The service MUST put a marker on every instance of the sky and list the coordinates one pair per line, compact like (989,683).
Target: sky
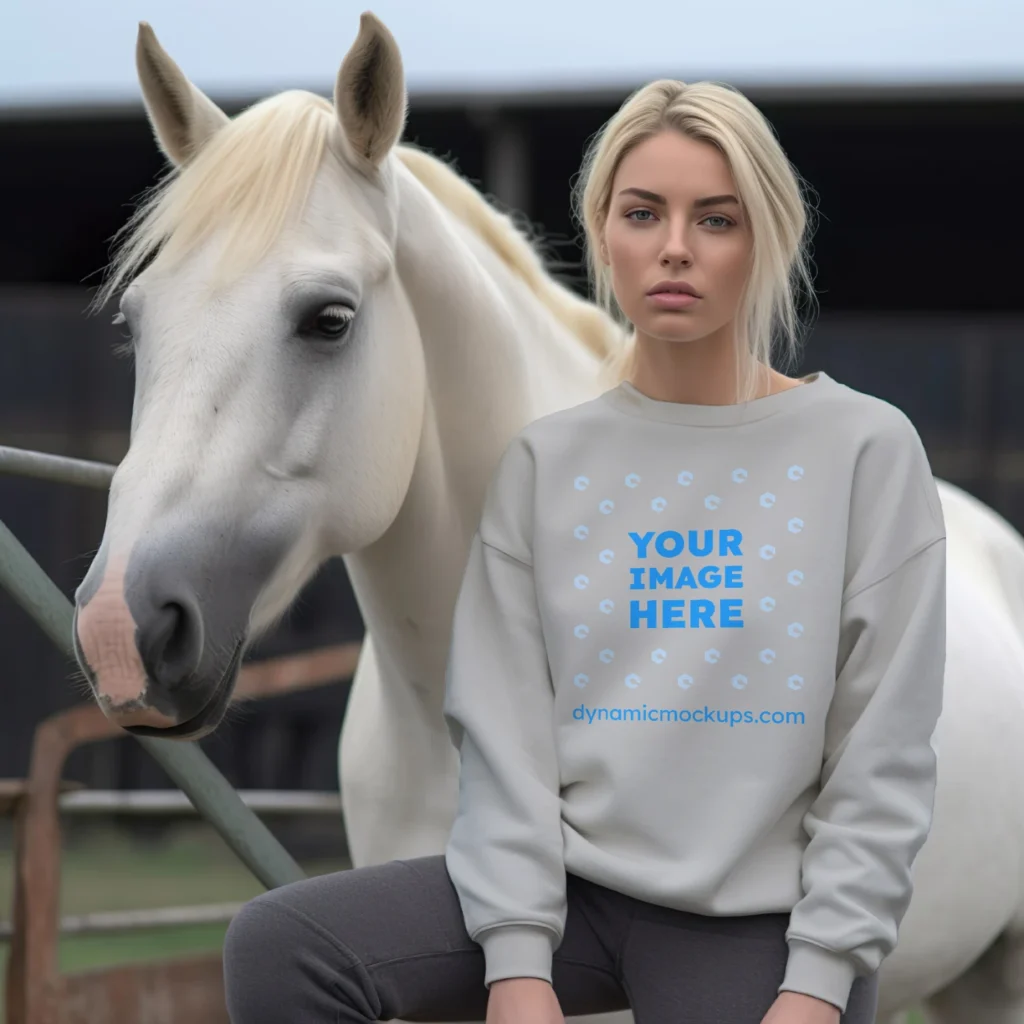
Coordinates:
(70,52)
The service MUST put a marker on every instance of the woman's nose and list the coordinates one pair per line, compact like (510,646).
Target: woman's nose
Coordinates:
(676,248)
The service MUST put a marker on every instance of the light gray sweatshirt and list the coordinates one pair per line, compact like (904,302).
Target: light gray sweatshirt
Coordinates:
(697,657)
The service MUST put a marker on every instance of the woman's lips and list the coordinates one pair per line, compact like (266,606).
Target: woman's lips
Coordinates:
(672,300)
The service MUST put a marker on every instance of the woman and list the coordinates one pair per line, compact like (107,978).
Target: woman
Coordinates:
(696,661)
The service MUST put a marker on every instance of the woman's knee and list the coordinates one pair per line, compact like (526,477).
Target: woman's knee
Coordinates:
(315,946)
(276,957)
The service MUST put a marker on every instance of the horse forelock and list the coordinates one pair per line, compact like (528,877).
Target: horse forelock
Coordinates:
(248,182)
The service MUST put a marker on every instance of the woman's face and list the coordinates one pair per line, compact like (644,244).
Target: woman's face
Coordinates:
(675,219)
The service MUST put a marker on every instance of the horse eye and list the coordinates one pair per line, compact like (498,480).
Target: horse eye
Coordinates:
(332,322)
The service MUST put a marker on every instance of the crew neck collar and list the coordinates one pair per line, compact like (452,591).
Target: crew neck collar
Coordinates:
(628,399)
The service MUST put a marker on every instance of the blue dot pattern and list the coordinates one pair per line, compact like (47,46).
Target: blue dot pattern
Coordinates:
(772,532)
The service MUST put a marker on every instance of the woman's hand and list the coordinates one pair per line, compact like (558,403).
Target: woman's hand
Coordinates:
(523,1001)
(796,1008)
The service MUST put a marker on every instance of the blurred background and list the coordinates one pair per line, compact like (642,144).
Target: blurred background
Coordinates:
(905,117)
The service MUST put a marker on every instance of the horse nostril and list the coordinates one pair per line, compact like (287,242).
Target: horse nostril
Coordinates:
(171,643)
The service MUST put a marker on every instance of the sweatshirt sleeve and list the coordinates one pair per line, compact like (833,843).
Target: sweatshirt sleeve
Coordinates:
(874,808)
(504,853)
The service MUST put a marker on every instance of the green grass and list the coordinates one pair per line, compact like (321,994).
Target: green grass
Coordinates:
(85,951)
(106,871)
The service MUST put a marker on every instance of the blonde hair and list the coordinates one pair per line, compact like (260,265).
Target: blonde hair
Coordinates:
(254,175)
(769,189)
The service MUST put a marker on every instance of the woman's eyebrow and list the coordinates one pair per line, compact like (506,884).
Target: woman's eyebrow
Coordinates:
(653,197)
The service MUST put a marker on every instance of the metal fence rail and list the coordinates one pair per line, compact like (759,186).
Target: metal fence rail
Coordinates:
(107,921)
(56,467)
(167,802)
(155,803)
(211,794)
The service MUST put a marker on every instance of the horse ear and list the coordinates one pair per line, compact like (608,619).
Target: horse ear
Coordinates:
(182,117)
(369,94)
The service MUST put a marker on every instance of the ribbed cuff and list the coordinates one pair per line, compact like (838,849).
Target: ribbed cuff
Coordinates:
(517,951)
(818,972)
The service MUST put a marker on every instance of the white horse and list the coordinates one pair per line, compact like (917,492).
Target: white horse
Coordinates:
(380,334)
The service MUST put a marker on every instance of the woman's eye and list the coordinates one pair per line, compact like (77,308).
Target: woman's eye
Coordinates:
(332,322)
(725,222)
(631,213)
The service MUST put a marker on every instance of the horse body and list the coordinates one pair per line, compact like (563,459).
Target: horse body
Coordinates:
(961,945)
(260,448)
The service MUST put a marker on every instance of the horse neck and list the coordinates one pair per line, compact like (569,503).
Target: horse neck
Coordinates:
(495,359)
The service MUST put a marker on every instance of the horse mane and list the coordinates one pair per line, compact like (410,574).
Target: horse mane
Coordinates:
(258,169)
(519,254)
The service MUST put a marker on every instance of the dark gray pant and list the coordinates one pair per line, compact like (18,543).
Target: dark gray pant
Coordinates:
(389,941)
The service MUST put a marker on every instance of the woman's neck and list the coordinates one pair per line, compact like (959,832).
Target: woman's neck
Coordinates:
(702,372)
